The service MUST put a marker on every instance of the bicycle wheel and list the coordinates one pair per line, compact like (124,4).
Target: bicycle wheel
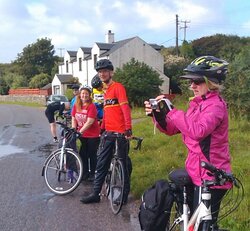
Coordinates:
(107,184)
(116,186)
(205,225)
(64,180)
(175,222)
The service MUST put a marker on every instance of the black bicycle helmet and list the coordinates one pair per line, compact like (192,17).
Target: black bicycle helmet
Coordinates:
(96,81)
(213,68)
(75,87)
(104,64)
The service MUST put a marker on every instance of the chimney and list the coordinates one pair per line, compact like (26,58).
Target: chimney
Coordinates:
(110,37)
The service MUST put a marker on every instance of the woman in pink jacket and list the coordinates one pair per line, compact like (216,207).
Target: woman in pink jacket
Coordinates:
(204,126)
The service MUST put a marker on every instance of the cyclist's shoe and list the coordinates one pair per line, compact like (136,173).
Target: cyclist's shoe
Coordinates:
(55,140)
(92,198)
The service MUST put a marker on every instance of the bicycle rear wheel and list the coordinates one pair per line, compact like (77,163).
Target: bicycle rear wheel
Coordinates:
(116,186)
(65,180)
(176,222)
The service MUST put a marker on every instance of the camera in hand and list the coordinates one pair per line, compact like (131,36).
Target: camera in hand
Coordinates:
(165,106)
(154,104)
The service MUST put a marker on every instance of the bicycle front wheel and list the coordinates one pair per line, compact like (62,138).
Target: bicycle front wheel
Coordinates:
(116,186)
(63,179)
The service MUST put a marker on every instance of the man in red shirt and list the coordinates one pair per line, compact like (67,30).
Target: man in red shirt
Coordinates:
(116,122)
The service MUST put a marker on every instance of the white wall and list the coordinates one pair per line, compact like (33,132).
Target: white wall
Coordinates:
(141,51)
(56,86)
(135,48)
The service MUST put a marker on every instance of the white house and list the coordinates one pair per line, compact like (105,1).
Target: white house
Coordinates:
(81,63)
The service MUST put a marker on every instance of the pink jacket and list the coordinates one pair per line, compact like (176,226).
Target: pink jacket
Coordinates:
(204,129)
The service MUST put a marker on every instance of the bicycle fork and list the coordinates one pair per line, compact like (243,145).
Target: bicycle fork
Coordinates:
(202,214)
(184,215)
(62,157)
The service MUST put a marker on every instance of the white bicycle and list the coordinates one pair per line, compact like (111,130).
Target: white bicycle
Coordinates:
(201,219)
(63,168)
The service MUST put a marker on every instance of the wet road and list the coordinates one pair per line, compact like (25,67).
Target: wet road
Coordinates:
(26,203)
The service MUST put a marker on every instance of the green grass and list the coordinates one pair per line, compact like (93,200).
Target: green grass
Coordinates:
(160,154)
(22,103)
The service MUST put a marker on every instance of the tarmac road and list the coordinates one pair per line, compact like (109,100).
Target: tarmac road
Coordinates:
(26,204)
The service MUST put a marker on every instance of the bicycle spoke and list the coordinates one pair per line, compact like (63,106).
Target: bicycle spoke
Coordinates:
(117,186)
(65,180)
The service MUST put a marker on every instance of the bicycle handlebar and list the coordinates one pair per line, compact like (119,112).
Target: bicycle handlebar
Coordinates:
(221,177)
(71,130)
(139,141)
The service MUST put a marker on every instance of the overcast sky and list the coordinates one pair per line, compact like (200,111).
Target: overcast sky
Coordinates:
(75,23)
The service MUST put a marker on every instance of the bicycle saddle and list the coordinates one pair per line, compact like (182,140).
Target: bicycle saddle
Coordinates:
(180,177)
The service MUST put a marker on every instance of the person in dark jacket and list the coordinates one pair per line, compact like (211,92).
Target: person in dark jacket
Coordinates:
(50,114)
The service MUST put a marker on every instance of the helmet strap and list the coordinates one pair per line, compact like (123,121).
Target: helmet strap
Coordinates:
(206,81)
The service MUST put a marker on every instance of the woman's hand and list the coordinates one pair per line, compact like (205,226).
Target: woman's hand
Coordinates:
(148,108)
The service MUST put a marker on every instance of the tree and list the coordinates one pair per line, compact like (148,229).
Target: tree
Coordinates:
(220,45)
(173,68)
(140,81)
(39,81)
(187,50)
(237,85)
(3,86)
(36,58)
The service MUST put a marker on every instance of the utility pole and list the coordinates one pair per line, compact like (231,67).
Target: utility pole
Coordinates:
(177,24)
(61,49)
(185,27)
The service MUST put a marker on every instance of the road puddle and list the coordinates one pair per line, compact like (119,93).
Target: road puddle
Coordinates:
(22,125)
(9,149)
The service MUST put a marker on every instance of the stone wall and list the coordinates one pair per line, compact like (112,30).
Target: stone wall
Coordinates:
(40,99)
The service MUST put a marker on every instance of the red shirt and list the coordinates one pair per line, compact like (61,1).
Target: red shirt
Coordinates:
(81,118)
(117,114)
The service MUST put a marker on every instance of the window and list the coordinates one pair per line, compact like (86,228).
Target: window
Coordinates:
(67,66)
(80,64)
(95,60)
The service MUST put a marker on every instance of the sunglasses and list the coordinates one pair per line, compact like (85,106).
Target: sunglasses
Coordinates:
(196,81)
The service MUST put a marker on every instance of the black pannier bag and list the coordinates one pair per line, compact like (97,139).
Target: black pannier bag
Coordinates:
(155,208)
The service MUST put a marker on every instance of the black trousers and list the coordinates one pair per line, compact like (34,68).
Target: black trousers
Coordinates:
(88,154)
(216,198)
(104,156)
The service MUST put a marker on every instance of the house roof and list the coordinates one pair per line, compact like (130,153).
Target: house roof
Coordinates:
(119,44)
(88,57)
(48,86)
(106,49)
(116,46)
(64,78)
(156,46)
(86,50)
(72,53)
(105,46)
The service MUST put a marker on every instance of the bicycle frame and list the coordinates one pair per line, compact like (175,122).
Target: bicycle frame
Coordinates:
(116,161)
(202,215)
(63,168)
